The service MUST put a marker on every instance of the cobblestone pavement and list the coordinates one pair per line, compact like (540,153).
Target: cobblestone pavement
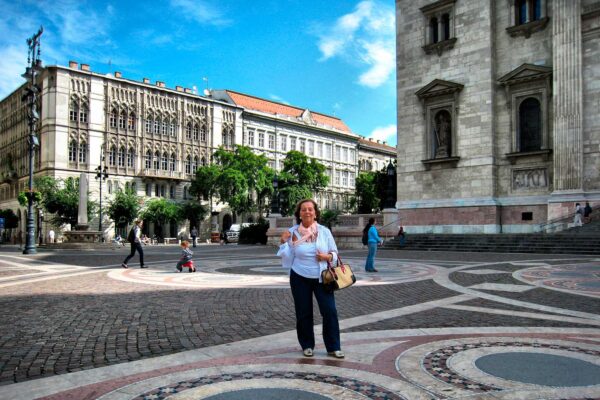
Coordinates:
(76,325)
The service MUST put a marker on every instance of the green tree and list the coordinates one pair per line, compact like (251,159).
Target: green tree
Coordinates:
(366,192)
(61,198)
(124,208)
(245,179)
(300,178)
(161,211)
(193,212)
(11,220)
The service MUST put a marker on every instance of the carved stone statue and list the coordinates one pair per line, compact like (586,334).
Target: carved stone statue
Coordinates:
(442,135)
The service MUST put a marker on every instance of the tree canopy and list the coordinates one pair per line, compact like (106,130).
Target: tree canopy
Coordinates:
(367,192)
(300,177)
(61,198)
(123,208)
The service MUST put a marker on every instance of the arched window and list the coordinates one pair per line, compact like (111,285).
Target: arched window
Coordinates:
(433,30)
(130,158)
(530,125)
(164,161)
(172,127)
(203,161)
(165,126)
(73,110)
(112,155)
(188,165)
(188,131)
(195,164)
(172,191)
(121,156)
(156,190)
(82,152)
(196,130)
(131,122)
(185,192)
(162,191)
(110,187)
(113,118)
(83,113)
(157,123)
(73,151)
(148,159)
(445,27)
(133,187)
(203,133)
(149,124)
(172,162)
(156,160)
(122,119)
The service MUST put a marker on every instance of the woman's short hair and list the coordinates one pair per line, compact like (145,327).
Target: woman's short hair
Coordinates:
(299,205)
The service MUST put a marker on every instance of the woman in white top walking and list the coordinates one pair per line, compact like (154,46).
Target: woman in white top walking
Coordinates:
(305,250)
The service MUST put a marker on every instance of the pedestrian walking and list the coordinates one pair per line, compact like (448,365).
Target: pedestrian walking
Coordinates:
(134,238)
(51,236)
(578,215)
(305,250)
(587,213)
(373,240)
(194,234)
(186,258)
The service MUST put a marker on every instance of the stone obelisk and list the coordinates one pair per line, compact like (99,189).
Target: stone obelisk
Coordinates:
(82,213)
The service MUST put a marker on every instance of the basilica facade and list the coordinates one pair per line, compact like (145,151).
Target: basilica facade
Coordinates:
(498,123)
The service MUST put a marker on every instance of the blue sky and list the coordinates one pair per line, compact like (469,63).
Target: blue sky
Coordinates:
(334,57)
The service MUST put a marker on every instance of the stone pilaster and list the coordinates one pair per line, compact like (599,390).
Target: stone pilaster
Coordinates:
(567,99)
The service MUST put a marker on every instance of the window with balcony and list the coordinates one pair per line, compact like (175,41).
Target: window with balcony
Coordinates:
(439,28)
(529,16)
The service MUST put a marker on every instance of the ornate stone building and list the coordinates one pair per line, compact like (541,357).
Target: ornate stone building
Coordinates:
(374,155)
(273,129)
(153,138)
(498,124)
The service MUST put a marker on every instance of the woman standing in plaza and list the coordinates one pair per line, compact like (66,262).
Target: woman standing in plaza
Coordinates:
(305,249)
(373,241)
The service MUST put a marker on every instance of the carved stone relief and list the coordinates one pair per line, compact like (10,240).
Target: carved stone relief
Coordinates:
(524,179)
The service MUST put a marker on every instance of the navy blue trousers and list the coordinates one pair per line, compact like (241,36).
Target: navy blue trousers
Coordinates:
(302,291)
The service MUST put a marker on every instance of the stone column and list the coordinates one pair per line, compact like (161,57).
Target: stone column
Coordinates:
(567,97)
(82,218)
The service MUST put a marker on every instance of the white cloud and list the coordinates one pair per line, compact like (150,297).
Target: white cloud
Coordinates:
(278,99)
(385,133)
(200,11)
(367,34)
(13,61)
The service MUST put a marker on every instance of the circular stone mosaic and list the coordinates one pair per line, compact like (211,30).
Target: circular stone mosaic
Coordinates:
(540,369)
(582,278)
(267,394)
(353,387)
(266,273)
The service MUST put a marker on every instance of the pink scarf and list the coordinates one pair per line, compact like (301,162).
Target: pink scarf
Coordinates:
(309,235)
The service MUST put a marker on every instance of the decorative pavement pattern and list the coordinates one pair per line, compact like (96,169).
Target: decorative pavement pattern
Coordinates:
(76,326)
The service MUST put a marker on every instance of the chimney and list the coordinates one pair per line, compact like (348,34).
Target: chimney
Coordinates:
(73,64)
(179,88)
(187,90)
(118,74)
(160,84)
(85,67)
(146,80)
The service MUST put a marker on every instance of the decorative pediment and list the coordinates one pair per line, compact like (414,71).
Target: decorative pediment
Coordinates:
(526,73)
(438,87)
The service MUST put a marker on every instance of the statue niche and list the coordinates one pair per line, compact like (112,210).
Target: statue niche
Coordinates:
(442,132)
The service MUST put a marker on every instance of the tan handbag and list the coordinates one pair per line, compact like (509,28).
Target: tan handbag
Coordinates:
(338,277)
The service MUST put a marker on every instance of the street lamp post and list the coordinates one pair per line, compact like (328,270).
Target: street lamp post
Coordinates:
(101,174)
(390,198)
(275,209)
(31,93)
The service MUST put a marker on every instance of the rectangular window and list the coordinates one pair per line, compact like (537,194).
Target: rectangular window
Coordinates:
(319,149)
(311,148)
(338,150)
(83,115)
(345,154)
(148,126)
(352,180)
(271,141)
(345,178)
(328,151)
(302,146)
(283,141)
(352,159)
(250,137)
(261,139)
(337,178)
(292,143)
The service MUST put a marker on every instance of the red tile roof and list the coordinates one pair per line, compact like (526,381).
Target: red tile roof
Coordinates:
(373,143)
(271,107)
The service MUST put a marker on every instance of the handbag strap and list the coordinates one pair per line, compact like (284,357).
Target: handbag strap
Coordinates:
(331,270)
